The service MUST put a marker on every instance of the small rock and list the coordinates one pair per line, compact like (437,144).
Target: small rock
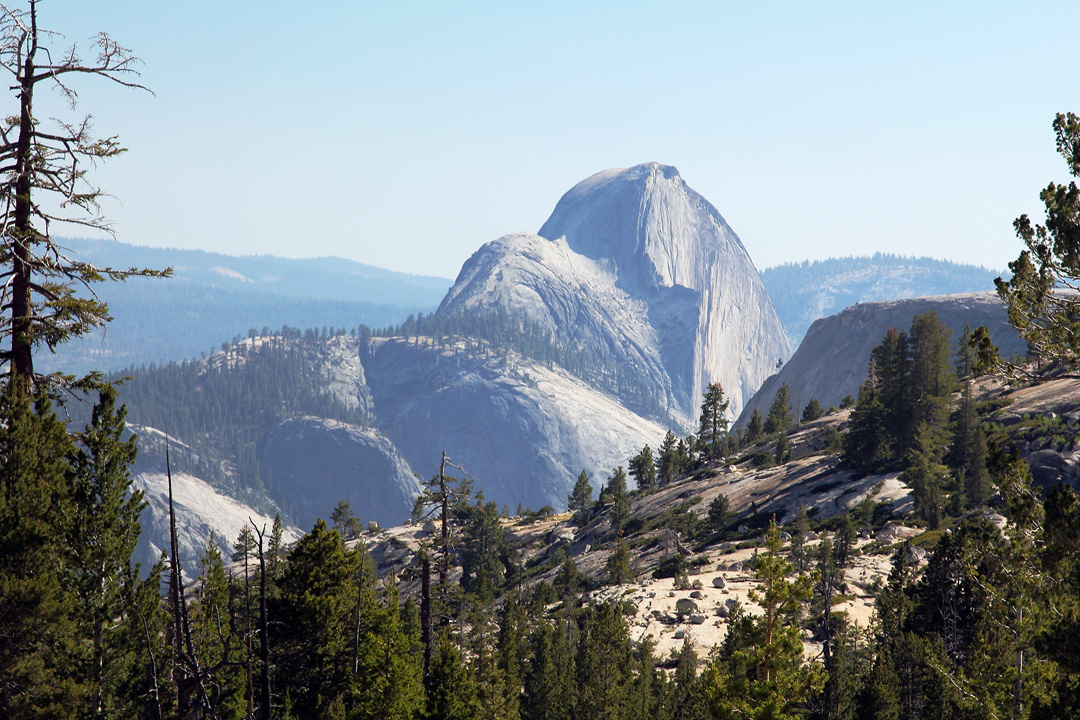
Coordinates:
(679,634)
(671,593)
(785,537)
(697,619)
(719,582)
(696,594)
(722,611)
(694,571)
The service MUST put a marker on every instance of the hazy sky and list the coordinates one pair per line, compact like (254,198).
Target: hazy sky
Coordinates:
(407,134)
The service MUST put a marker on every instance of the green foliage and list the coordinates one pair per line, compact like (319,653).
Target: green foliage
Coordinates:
(712,423)
(780,417)
(643,469)
(762,674)
(755,427)
(485,554)
(618,564)
(719,514)
(673,459)
(1044,315)
(619,498)
(581,496)
(908,391)
(812,411)
(345,521)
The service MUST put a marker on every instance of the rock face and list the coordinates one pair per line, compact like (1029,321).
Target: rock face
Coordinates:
(317,462)
(832,360)
(200,510)
(641,267)
(521,429)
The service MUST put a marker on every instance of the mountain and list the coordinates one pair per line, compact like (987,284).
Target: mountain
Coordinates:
(803,292)
(213,297)
(832,359)
(551,353)
(636,268)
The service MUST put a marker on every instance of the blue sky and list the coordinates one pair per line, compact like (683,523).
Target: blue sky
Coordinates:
(407,134)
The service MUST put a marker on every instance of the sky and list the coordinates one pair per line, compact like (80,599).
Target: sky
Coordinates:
(407,134)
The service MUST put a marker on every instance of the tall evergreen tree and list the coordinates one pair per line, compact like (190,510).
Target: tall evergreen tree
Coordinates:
(712,423)
(620,499)
(37,635)
(780,415)
(581,496)
(767,679)
(643,469)
(755,427)
(603,663)
(313,650)
(671,462)
(101,533)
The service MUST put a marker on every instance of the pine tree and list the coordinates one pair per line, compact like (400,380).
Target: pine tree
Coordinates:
(924,473)
(603,663)
(812,411)
(712,423)
(671,462)
(755,427)
(483,552)
(37,635)
(766,678)
(719,513)
(618,564)
(581,496)
(452,693)
(314,648)
(548,692)
(101,533)
(779,419)
(345,521)
(620,499)
(643,469)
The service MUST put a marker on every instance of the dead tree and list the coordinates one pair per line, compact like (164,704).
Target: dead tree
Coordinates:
(43,166)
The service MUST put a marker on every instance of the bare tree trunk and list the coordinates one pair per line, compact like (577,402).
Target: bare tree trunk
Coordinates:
(264,636)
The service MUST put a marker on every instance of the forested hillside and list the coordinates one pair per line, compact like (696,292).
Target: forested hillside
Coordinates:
(213,298)
(805,291)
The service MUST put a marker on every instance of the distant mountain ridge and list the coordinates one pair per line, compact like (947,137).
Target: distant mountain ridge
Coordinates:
(213,297)
(805,291)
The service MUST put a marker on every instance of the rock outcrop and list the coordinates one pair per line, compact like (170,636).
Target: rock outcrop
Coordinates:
(523,430)
(641,267)
(832,360)
(315,462)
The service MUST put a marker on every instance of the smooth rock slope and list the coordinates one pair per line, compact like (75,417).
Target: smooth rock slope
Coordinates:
(640,265)
(832,359)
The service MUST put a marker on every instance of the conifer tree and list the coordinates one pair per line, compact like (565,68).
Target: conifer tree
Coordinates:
(314,648)
(779,419)
(755,427)
(581,496)
(101,533)
(643,469)
(619,498)
(548,692)
(37,634)
(812,411)
(345,521)
(603,663)
(767,679)
(452,693)
(618,564)
(712,424)
(673,459)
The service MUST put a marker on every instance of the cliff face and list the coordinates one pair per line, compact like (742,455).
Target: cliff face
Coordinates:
(523,430)
(315,462)
(639,265)
(832,359)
